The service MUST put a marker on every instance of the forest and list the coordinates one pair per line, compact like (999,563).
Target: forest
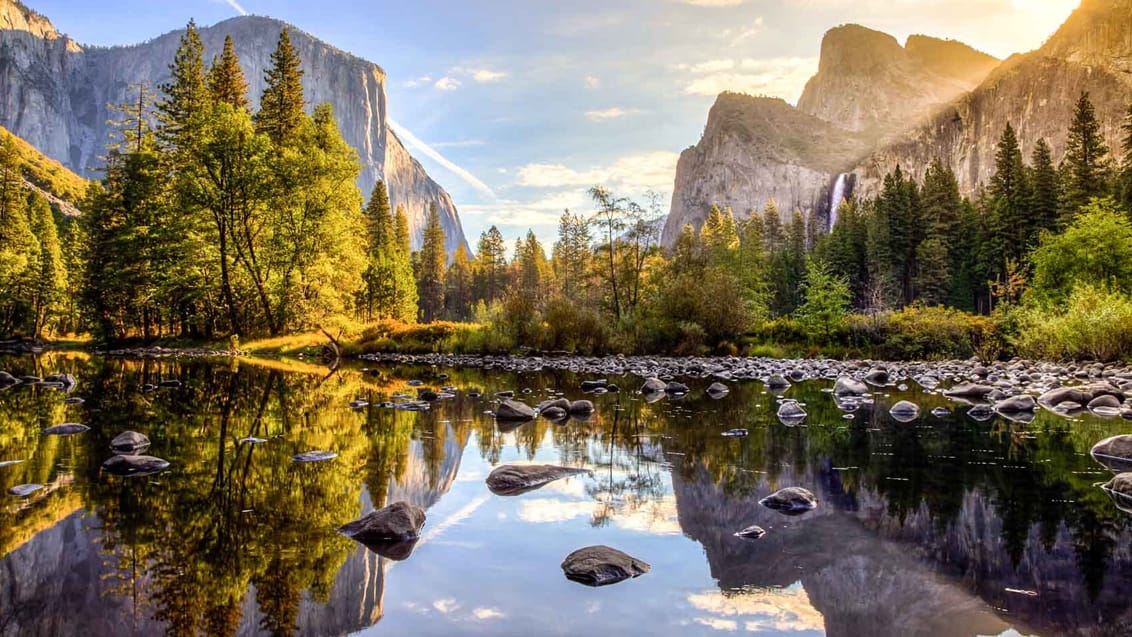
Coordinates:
(214,222)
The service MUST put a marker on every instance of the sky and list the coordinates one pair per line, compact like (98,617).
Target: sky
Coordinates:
(517,107)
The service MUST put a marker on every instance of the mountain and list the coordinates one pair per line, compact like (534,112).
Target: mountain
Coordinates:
(867,82)
(55,94)
(905,106)
(755,149)
(62,188)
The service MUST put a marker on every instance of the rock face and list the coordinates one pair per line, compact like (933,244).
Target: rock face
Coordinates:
(867,82)
(601,565)
(55,93)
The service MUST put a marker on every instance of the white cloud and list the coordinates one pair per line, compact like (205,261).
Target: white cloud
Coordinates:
(778,77)
(741,35)
(592,82)
(488,613)
(447,83)
(485,75)
(615,112)
(414,142)
(710,66)
(446,605)
(420,81)
(640,171)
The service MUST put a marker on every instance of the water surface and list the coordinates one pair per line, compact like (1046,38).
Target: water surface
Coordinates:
(942,526)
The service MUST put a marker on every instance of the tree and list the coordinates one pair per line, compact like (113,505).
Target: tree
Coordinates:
(533,276)
(571,255)
(226,81)
(51,277)
(404,280)
(433,265)
(1124,186)
(458,281)
(826,300)
(1044,192)
(281,107)
(186,93)
(1085,161)
(1096,249)
(491,261)
(19,250)
(610,217)
(1012,197)
(720,238)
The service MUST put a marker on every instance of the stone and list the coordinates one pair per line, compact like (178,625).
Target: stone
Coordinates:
(653,386)
(1107,400)
(24,490)
(735,433)
(790,501)
(969,390)
(877,377)
(904,411)
(1058,395)
(1114,452)
(313,456)
(602,565)
(388,529)
(676,389)
(846,386)
(516,479)
(791,409)
(753,532)
(130,465)
(65,429)
(717,390)
(591,385)
(129,441)
(777,382)
(581,408)
(554,413)
(560,403)
(1119,488)
(1014,404)
(514,411)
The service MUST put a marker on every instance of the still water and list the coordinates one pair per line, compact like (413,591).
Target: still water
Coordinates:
(942,526)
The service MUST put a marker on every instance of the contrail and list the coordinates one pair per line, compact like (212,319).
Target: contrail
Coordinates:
(462,173)
(236,5)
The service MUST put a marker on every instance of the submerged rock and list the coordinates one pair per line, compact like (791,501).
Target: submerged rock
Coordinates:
(124,465)
(24,490)
(129,441)
(591,385)
(554,413)
(790,413)
(790,501)
(314,456)
(753,532)
(1114,452)
(969,390)
(1014,404)
(1107,400)
(734,433)
(516,479)
(65,429)
(777,382)
(846,386)
(1120,490)
(676,389)
(653,386)
(717,390)
(514,411)
(601,565)
(581,408)
(904,411)
(1059,395)
(391,531)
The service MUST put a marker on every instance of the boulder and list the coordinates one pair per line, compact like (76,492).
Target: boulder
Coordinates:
(514,411)
(877,376)
(128,442)
(751,532)
(591,385)
(65,429)
(554,413)
(129,465)
(581,408)
(1058,395)
(1120,490)
(969,390)
(1114,452)
(777,382)
(790,409)
(313,456)
(676,389)
(391,531)
(1015,404)
(1107,400)
(516,479)
(904,411)
(790,501)
(846,386)
(601,565)
(717,390)
(653,386)
(560,403)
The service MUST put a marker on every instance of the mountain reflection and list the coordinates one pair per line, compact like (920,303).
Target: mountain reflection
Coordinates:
(942,526)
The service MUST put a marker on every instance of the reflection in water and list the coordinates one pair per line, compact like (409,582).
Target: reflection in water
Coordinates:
(944,525)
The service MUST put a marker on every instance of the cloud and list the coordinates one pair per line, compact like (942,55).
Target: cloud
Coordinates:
(420,81)
(592,82)
(615,112)
(653,170)
(447,83)
(445,606)
(713,3)
(485,75)
(414,142)
(710,66)
(488,613)
(741,35)
(236,6)
(778,77)
(461,143)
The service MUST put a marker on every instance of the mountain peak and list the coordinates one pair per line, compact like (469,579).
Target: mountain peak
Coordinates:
(15,16)
(1097,34)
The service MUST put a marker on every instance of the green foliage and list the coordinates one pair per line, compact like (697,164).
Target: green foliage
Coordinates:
(281,115)
(1086,161)
(827,299)
(919,333)
(433,267)
(1093,323)
(1095,250)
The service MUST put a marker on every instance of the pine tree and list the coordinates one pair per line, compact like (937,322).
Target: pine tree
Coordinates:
(405,292)
(186,94)
(51,277)
(433,265)
(281,112)
(1124,187)
(1085,160)
(458,282)
(533,274)
(226,82)
(1044,192)
(19,249)
(491,261)
(1011,197)
(571,255)
(720,238)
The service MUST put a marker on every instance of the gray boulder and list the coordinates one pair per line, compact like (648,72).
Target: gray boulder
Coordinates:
(1107,400)
(601,565)
(877,376)
(675,388)
(516,479)
(1016,404)
(653,386)
(777,382)
(581,408)
(846,386)
(905,411)
(129,442)
(717,390)
(397,523)
(1058,395)
(65,429)
(790,501)
(753,532)
(123,465)
(790,409)
(1120,490)
(513,410)
(1114,452)
(969,390)
(554,413)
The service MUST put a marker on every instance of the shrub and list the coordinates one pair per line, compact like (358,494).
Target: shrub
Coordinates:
(1094,323)
(925,333)
(410,338)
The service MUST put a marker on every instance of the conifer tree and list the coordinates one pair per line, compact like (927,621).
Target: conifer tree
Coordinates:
(51,276)
(433,266)
(571,255)
(404,279)
(1085,161)
(458,282)
(281,107)
(1011,196)
(491,261)
(1044,192)
(186,93)
(1124,187)
(226,82)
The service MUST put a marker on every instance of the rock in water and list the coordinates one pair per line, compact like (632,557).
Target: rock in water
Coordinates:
(790,501)
(601,565)
(554,414)
(877,376)
(1114,452)
(314,456)
(904,411)
(1120,490)
(1106,400)
(734,433)
(777,383)
(516,479)
(790,413)
(751,532)
(676,389)
(653,386)
(581,408)
(134,465)
(969,390)
(24,490)
(1015,404)
(391,532)
(65,429)
(514,411)
(846,386)
(717,390)
(129,441)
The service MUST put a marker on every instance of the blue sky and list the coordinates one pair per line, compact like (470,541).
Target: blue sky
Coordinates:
(527,103)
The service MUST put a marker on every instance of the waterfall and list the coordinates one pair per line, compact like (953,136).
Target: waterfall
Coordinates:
(836,197)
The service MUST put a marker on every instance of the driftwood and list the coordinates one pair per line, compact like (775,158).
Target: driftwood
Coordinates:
(331,352)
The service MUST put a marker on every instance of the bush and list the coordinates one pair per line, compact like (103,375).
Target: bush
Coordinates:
(926,333)
(1094,323)
(410,338)
(568,326)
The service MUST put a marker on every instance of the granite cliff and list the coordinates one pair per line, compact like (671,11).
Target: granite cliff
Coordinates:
(55,94)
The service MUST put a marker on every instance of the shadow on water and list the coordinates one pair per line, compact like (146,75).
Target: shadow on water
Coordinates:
(944,525)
